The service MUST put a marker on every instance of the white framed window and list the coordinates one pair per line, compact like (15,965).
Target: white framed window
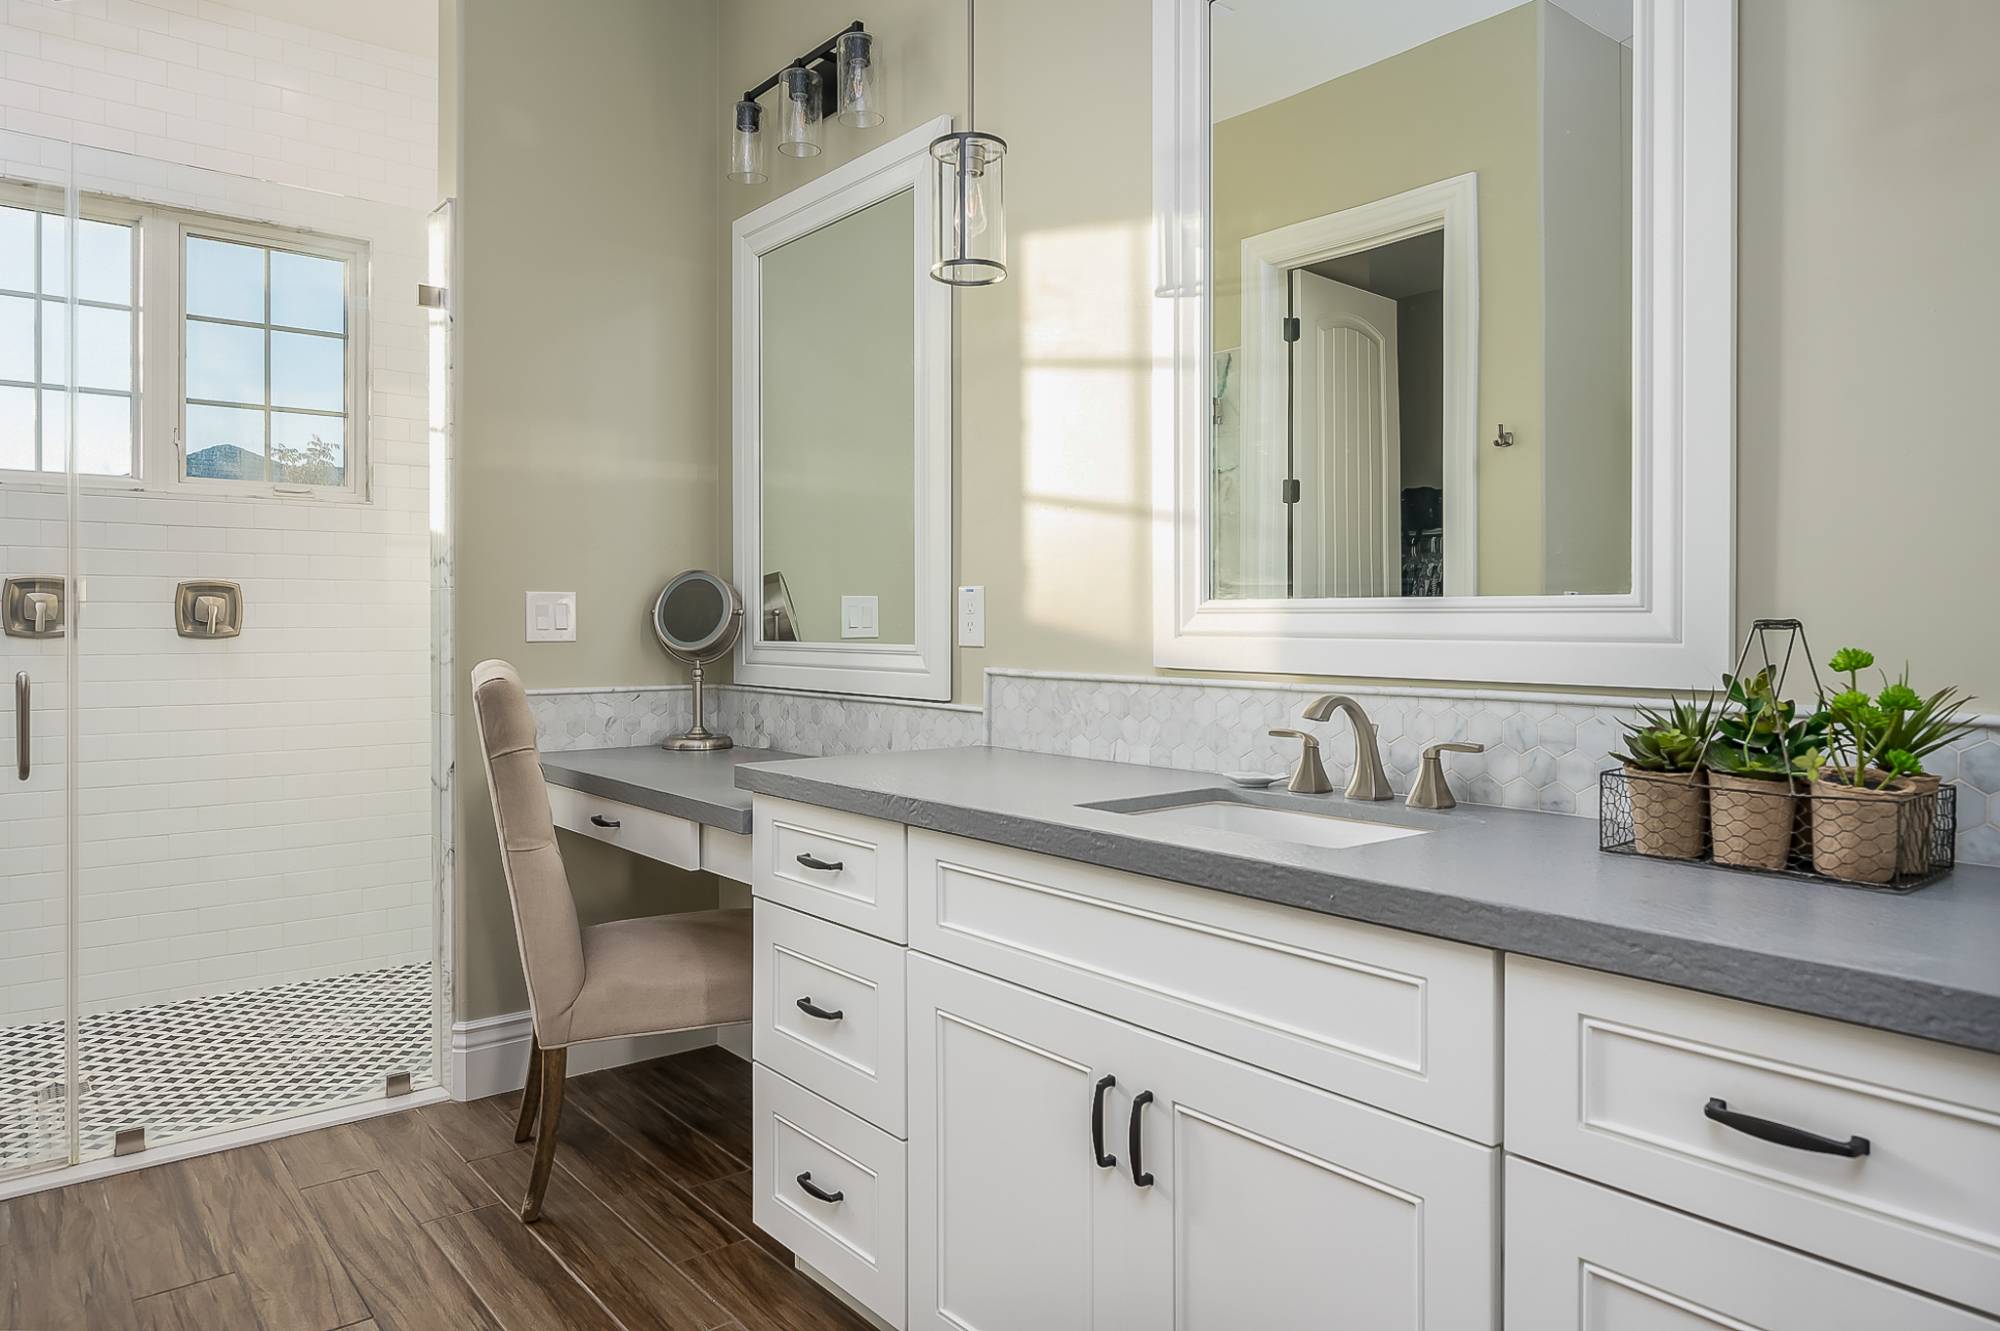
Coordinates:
(215,356)
(35,337)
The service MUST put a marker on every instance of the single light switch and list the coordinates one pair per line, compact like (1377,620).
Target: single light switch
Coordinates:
(972,616)
(551,617)
(858,617)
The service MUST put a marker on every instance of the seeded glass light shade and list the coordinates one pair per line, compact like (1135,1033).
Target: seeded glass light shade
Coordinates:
(859,96)
(746,146)
(971,237)
(799,121)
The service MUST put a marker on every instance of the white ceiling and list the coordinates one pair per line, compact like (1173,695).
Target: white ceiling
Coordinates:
(1263,51)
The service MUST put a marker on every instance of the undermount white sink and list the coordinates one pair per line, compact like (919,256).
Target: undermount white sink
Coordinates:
(1295,825)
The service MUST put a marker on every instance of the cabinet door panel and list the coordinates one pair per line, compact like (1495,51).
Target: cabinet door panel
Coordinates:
(1584,1258)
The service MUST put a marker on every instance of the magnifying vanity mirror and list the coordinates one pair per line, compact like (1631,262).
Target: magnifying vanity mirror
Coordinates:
(697,619)
(1452,331)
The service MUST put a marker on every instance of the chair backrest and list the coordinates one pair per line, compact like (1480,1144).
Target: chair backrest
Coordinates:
(544,909)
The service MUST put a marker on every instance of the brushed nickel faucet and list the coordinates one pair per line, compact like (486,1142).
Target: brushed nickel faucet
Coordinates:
(1309,777)
(1432,791)
(1370,782)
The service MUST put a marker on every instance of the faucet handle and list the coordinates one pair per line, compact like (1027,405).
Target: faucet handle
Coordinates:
(1432,791)
(1309,777)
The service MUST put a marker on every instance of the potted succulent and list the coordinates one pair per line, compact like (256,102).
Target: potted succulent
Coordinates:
(1669,790)
(1762,753)
(1874,805)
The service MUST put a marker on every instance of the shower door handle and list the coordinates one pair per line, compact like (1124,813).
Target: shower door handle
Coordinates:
(23,728)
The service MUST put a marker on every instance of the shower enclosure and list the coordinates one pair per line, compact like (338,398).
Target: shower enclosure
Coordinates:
(217,828)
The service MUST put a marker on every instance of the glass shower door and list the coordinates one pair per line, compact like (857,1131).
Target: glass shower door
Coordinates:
(37,1053)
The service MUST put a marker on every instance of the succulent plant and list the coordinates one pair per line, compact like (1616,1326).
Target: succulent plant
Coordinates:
(1893,730)
(1762,735)
(1669,740)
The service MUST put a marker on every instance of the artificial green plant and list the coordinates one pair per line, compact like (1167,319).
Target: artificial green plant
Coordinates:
(1762,735)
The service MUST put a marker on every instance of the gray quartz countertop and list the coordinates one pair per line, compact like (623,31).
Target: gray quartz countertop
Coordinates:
(700,787)
(1926,964)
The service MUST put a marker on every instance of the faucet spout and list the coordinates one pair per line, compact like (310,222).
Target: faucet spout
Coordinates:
(1370,781)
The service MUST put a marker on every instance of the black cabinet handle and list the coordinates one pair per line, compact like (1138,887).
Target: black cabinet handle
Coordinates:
(1140,1178)
(1104,1161)
(1784,1134)
(812,861)
(806,1182)
(812,1009)
(599,820)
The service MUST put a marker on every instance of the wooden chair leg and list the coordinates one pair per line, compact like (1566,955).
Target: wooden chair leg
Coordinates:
(554,1063)
(531,1093)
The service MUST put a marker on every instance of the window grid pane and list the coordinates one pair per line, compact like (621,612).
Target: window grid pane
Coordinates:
(312,417)
(33,275)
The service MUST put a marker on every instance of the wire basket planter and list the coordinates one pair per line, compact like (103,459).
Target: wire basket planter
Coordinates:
(1892,836)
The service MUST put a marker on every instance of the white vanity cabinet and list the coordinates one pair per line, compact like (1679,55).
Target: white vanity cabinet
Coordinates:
(1071,1170)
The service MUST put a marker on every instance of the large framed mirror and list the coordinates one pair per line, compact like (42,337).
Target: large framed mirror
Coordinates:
(842,450)
(1448,338)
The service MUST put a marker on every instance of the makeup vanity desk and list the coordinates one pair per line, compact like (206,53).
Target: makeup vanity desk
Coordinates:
(680,808)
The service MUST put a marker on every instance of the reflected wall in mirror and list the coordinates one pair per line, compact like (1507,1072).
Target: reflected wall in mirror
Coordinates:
(838,411)
(1421,228)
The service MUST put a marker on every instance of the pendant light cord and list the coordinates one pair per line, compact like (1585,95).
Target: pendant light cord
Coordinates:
(971,62)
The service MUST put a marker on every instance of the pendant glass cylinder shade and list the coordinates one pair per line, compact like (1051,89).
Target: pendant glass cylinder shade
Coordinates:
(746,146)
(859,96)
(971,240)
(798,133)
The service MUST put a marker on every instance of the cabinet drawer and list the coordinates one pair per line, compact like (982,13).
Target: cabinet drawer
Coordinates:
(828,1012)
(856,1241)
(657,836)
(1614,1078)
(838,866)
(1585,1258)
(1407,1023)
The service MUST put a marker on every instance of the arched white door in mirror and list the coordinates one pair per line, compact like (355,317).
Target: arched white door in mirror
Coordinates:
(841,366)
(1447,338)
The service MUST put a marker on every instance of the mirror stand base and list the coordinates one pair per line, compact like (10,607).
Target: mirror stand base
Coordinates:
(697,741)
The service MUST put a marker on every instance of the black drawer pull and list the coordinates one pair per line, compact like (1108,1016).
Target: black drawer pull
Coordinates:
(814,1189)
(1140,1178)
(812,1009)
(1104,1161)
(599,820)
(1784,1134)
(812,861)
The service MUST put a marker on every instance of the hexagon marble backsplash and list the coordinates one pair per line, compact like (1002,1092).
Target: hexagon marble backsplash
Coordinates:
(1542,751)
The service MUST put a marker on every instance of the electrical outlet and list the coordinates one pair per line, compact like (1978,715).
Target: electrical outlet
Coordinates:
(972,616)
(551,617)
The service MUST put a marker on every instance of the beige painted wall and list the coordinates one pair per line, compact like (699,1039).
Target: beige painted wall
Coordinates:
(1464,102)
(839,411)
(586,376)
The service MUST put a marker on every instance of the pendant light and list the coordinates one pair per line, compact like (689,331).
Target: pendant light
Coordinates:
(746,145)
(799,118)
(971,235)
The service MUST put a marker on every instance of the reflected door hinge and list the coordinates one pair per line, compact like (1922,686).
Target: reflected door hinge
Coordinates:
(1292,331)
(1288,490)
(432,298)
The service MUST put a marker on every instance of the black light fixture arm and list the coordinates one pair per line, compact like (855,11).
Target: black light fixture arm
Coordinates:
(823,54)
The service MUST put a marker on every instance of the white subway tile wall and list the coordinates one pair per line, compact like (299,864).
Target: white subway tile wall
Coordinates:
(255,811)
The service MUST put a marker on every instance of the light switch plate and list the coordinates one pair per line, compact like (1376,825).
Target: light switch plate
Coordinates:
(859,617)
(972,616)
(551,617)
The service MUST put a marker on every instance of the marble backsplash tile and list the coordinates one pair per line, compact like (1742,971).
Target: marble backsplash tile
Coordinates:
(1542,752)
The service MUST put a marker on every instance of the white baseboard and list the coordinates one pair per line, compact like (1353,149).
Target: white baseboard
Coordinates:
(490,1056)
(736,1039)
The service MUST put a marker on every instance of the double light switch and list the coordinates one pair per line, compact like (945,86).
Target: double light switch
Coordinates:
(551,617)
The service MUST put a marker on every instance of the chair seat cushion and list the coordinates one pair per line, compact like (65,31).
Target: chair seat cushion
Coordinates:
(663,973)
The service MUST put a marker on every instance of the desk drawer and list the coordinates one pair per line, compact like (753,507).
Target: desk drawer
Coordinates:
(856,1239)
(1406,1023)
(1584,1258)
(1614,1079)
(838,866)
(657,836)
(848,1044)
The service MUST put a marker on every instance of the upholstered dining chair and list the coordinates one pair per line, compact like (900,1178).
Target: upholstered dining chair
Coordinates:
(628,977)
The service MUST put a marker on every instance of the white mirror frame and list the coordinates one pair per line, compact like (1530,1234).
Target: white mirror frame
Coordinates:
(1673,630)
(897,670)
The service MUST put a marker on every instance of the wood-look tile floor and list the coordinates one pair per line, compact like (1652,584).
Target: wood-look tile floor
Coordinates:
(408,1222)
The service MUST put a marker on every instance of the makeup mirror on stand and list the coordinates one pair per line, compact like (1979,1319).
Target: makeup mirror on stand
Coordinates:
(697,618)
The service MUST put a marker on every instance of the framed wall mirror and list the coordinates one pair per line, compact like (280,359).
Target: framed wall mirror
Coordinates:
(842,406)
(1448,331)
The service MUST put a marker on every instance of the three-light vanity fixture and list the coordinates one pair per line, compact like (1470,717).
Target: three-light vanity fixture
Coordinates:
(969,247)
